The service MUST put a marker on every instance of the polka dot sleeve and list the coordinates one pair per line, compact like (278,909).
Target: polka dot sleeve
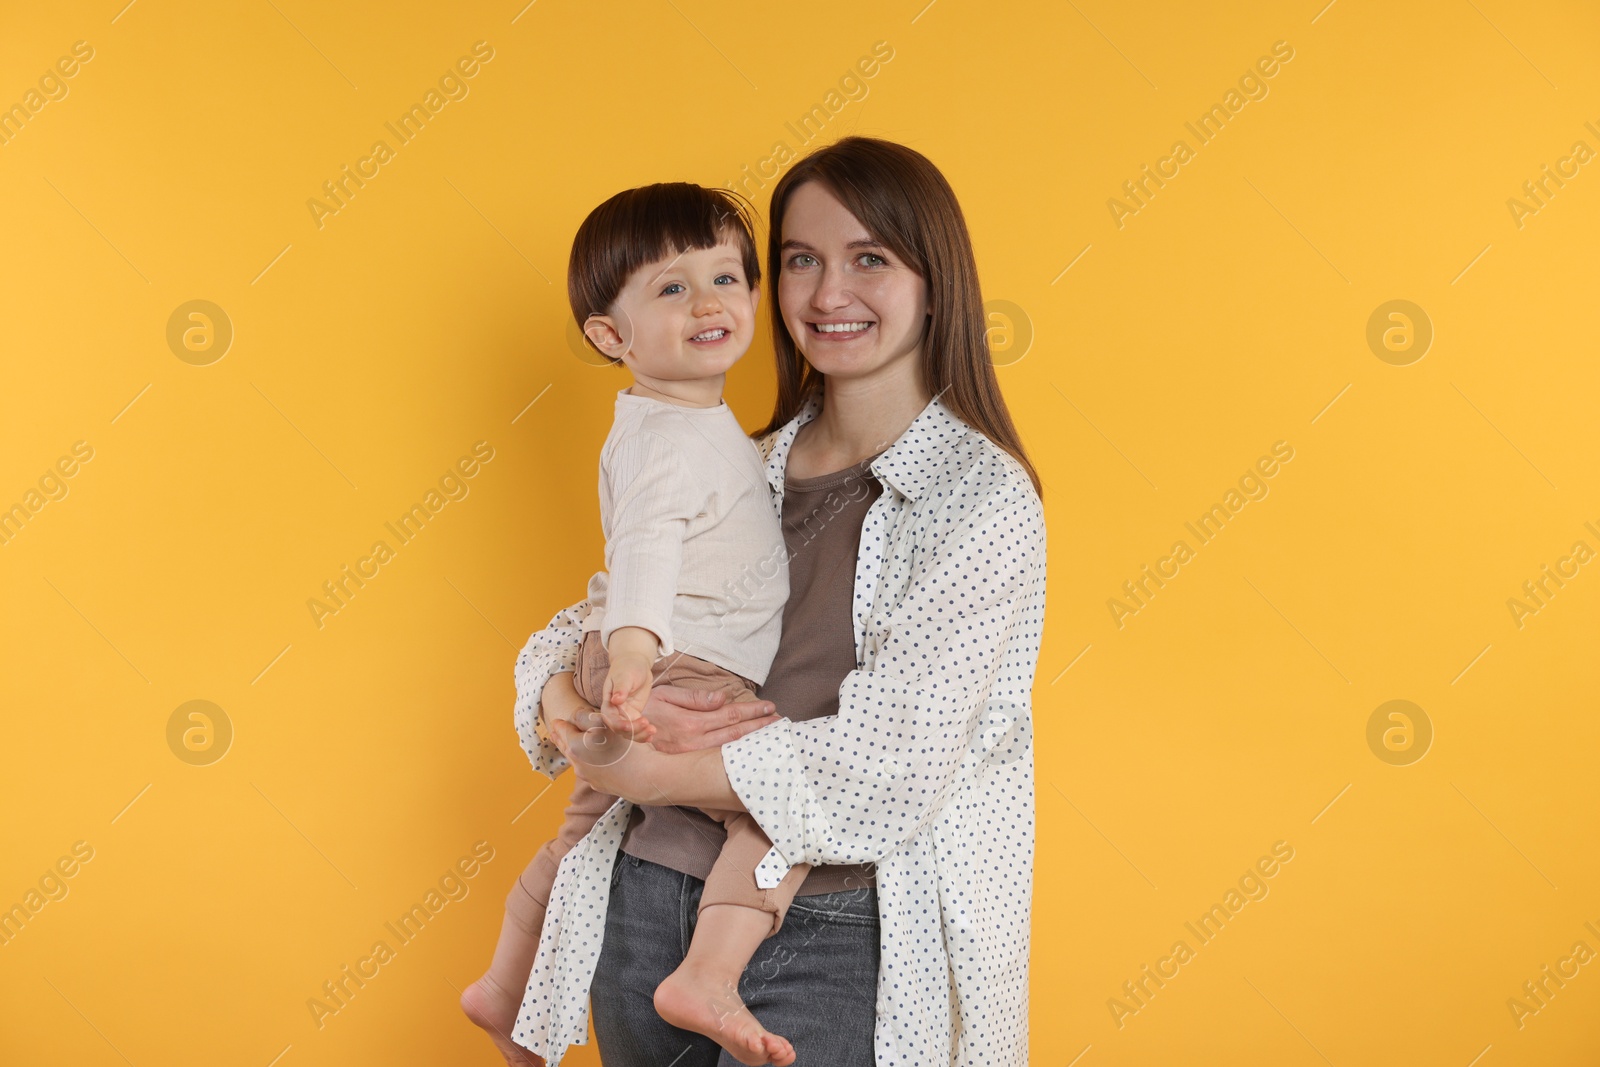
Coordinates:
(853,787)
(550,651)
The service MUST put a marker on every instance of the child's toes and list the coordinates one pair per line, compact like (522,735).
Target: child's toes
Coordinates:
(778,1050)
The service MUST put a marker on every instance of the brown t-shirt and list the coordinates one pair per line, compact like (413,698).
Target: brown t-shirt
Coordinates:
(822,520)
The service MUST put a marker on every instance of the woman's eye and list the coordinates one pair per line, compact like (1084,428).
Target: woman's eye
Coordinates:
(801,259)
(875,257)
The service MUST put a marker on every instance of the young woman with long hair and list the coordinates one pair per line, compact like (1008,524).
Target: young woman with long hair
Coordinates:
(900,761)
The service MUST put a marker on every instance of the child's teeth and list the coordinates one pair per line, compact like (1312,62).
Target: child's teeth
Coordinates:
(709,335)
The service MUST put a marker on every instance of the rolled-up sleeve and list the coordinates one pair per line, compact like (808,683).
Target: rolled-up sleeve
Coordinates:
(549,651)
(855,786)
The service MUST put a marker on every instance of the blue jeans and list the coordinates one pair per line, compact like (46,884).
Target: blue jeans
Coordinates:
(814,982)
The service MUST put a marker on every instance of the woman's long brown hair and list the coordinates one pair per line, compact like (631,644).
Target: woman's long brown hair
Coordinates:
(904,202)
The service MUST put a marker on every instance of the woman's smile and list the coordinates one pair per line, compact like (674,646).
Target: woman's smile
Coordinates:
(835,332)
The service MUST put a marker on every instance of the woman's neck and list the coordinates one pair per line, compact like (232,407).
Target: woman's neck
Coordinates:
(860,417)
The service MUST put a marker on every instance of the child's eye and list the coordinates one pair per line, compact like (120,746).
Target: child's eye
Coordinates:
(731,279)
(668,291)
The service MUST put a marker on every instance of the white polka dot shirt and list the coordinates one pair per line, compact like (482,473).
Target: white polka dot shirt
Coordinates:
(926,771)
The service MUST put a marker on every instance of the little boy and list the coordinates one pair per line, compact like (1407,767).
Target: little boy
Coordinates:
(664,281)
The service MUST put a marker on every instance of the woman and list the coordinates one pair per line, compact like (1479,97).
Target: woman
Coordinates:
(902,766)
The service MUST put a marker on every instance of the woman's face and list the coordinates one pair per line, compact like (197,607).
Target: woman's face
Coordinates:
(853,307)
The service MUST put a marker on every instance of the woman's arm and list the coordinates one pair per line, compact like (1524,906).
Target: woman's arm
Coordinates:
(957,652)
(613,763)
(680,764)
(549,652)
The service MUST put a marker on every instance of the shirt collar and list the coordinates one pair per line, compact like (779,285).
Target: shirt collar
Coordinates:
(906,465)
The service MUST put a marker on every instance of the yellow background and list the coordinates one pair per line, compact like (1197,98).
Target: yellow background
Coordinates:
(428,314)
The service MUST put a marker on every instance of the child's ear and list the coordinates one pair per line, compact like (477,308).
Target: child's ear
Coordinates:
(755,298)
(603,332)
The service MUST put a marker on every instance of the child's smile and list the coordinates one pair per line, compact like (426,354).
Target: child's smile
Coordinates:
(681,322)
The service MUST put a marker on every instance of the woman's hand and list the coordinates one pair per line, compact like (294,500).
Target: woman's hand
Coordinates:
(600,758)
(685,720)
(611,763)
(675,719)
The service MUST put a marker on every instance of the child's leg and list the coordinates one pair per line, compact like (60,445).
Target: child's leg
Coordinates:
(735,917)
(703,993)
(732,882)
(492,1001)
(486,1001)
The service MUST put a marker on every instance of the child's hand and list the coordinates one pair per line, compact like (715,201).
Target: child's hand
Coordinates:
(632,652)
(626,690)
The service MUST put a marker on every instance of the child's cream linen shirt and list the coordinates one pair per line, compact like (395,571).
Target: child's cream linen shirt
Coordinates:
(694,548)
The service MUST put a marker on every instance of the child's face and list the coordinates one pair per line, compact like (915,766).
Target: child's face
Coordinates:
(683,317)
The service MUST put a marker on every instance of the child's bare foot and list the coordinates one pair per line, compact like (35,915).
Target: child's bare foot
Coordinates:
(492,1008)
(696,999)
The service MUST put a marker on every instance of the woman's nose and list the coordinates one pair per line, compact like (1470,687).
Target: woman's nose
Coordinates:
(830,292)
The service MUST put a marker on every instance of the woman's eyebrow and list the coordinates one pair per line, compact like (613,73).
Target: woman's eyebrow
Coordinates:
(864,242)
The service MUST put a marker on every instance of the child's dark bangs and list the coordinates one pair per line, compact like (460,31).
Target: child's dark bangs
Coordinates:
(688,224)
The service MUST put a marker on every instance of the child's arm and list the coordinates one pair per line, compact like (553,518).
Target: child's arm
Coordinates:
(653,498)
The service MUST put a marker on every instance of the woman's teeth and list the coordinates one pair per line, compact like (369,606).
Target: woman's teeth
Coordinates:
(841,327)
